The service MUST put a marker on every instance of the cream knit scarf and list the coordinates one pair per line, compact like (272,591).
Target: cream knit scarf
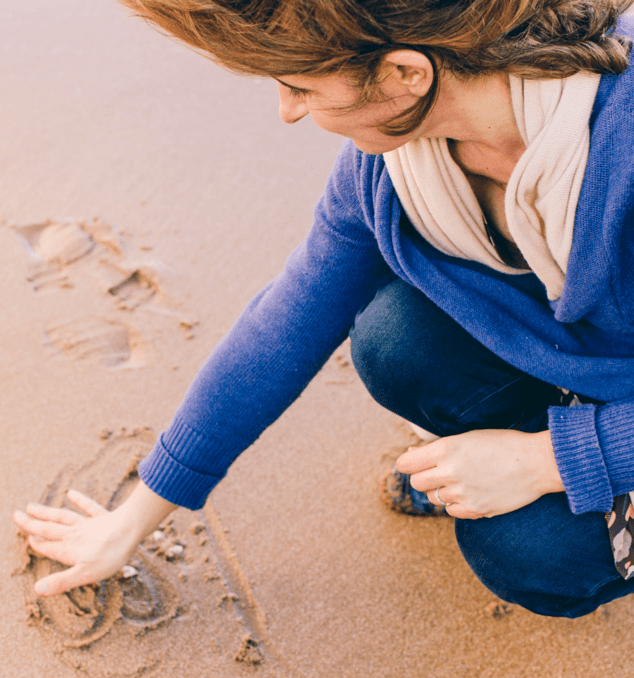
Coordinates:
(542,193)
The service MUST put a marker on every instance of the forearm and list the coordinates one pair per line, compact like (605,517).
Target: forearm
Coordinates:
(275,348)
(583,459)
(141,513)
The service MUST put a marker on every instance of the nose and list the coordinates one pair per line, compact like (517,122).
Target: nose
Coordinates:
(292,108)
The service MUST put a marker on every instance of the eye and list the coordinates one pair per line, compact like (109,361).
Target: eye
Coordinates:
(295,92)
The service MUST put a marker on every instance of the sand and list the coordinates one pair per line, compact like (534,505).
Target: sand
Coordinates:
(146,195)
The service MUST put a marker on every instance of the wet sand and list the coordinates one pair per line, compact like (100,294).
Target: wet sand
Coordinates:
(146,195)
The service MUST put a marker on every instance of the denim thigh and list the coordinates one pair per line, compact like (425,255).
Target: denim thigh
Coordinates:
(418,362)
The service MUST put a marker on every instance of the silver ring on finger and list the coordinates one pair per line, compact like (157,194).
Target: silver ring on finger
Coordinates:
(440,501)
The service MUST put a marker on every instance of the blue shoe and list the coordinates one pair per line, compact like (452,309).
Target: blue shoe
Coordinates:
(398,494)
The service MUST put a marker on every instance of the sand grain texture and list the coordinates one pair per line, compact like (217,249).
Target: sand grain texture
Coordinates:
(146,196)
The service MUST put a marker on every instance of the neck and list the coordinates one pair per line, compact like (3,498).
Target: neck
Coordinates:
(477,112)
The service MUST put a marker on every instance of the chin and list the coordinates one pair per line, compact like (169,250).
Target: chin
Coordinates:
(376,148)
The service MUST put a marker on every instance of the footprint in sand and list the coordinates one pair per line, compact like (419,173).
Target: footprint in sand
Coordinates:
(111,343)
(53,246)
(137,288)
(88,256)
(176,588)
(58,244)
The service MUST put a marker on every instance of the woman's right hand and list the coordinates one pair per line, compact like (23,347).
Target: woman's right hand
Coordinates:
(95,545)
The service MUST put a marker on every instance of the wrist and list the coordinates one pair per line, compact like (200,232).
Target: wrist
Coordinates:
(141,513)
(549,478)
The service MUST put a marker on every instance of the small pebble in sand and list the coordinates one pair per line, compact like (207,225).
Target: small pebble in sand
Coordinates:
(202,540)
(228,598)
(342,359)
(188,326)
(197,527)
(128,571)
(157,535)
(174,551)
(498,609)
(210,575)
(105,433)
(249,653)
(33,611)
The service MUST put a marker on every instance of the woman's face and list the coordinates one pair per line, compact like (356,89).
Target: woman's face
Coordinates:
(329,100)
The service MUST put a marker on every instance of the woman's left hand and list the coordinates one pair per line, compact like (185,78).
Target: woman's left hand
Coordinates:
(484,473)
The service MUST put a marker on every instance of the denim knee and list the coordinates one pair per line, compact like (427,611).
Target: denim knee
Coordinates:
(544,558)
(416,361)
(381,346)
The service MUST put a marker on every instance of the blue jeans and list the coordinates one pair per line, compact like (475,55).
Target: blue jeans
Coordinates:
(419,363)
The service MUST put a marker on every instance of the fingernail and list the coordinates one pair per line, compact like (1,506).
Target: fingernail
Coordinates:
(41,588)
(19,515)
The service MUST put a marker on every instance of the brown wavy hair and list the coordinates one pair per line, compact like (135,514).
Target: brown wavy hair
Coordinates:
(275,38)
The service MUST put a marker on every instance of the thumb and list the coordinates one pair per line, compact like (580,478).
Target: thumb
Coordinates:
(64,581)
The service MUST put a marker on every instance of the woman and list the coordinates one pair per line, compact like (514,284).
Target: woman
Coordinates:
(475,242)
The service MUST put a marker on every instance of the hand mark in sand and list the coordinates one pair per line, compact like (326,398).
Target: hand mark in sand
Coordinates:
(142,602)
(121,626)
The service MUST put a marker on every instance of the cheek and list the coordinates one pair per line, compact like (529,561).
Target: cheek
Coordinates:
(338,124)
(352,124)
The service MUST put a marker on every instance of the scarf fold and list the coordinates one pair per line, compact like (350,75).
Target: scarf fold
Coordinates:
(541,196)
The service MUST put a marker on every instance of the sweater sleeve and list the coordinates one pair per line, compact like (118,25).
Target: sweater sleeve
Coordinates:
(594,450)
(281,340)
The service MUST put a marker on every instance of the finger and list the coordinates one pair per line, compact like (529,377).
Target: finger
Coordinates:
(63,581)
(416,459)
(18,517)
(39,528)
(426,481)
(458,511)
(55,550)
(86,504)
(431,495)
(440,498)
(57,515)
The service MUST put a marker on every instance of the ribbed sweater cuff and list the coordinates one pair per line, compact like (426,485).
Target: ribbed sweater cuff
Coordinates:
(579,458)
(615,430)
(170,479)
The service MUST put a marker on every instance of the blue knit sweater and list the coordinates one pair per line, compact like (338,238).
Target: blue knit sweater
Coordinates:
(583,342)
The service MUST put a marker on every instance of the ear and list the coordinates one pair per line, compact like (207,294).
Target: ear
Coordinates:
(411,70)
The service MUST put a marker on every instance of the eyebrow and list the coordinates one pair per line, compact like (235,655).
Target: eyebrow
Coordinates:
(299,89)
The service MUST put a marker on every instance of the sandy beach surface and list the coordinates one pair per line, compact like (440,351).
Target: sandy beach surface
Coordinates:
(146,195)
